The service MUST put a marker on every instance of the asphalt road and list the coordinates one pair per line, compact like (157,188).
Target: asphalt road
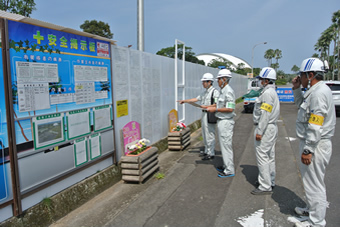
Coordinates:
(332,178)
(191,194)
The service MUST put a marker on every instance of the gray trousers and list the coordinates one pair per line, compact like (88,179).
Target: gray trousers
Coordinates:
(313,177)
(208,133)
(265,157)
(225,129)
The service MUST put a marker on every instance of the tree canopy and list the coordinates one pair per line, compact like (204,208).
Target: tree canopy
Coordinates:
(330,40)
(220,62)
(97,28)
(22,7)
(295,68)
(270,54)
(189,54)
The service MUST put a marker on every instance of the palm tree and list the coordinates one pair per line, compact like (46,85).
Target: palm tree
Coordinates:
(278,55)
(269,55)
(295,68)
(336,22)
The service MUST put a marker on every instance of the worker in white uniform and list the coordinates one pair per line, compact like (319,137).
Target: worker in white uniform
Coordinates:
(265,116)
(315,126)
(224,111)
(208,130)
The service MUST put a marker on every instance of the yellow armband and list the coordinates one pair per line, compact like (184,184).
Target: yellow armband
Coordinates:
(267,107)
(316,119)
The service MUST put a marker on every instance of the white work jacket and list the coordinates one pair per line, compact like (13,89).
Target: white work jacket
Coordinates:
(316,115)
(227,100)
(205,97)
(266,109)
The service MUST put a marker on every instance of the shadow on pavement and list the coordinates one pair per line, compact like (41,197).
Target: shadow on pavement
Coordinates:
(286,199)
(250,172)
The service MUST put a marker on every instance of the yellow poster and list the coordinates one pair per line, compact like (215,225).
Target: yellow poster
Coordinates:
(122,108)
(173,119)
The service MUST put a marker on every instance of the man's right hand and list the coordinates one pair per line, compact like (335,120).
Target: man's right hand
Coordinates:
(180,101)
(296,82)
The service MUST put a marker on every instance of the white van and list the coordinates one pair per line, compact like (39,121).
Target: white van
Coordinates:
(335,87)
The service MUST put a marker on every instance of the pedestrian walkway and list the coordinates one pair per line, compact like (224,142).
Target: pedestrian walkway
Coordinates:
(191,194)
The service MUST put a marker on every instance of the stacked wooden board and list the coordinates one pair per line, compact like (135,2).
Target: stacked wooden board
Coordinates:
(136,168)
(179,140)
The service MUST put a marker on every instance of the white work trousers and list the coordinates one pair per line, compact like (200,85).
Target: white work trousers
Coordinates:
(313,181)
(265,157)
(208,133)
(225,129)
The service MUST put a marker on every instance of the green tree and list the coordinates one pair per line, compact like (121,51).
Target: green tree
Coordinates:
(97,28)
(277,56)
(269,55)
(220,62)
(336,22)
(295,68)
(256,71)
(22,7)
(242,70)
(189,54)
(275,66)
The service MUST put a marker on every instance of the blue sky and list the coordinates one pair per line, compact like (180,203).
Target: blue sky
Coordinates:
(215,26)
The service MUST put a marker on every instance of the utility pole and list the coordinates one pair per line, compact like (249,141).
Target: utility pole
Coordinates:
(140,25)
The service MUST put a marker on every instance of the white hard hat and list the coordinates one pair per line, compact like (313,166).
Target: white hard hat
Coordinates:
(207,77)
(268,73)
(313,65)
(224,73)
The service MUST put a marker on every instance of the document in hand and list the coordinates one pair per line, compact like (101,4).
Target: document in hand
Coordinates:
(195,104)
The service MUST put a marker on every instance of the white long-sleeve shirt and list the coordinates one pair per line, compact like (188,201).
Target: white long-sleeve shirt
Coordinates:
(266,109)
(316,116)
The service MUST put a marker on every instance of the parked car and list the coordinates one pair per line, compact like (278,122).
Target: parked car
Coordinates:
(248,103)
(335,87)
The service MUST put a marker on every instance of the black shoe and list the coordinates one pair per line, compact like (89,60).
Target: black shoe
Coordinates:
(203,154)
(220,169)
(257,184)
(207,157)
(257,191)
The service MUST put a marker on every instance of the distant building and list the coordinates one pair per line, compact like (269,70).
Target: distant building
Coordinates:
(207,58)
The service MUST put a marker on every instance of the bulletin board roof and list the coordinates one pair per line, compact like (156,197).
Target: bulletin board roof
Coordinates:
(27,20)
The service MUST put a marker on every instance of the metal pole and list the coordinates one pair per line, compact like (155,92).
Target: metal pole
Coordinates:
(176,75)
(12,146)
(252,58)
(140,25)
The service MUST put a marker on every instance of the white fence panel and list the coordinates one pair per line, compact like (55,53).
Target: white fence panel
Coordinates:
(147,82)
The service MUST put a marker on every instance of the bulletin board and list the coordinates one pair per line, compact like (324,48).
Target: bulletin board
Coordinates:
(55,72)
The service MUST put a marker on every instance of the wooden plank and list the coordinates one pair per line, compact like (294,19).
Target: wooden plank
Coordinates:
(151,159)
(131,178)
(126,165)
(134,172)
(147,174)
(148,167)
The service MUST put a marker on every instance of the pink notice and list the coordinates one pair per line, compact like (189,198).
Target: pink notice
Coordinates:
(131,133)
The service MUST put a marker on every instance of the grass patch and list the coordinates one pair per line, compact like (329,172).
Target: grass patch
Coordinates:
(159,175)
(239,100)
